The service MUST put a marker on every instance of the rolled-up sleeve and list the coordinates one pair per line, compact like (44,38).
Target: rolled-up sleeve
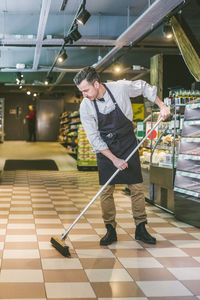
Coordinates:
(141,87)
(90,125)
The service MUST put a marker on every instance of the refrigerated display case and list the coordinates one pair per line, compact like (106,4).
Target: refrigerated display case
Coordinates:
(1,120)
(187,179)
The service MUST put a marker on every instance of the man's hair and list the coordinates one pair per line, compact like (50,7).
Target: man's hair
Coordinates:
(88,73)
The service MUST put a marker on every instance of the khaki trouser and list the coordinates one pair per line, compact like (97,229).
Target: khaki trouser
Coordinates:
(137,202)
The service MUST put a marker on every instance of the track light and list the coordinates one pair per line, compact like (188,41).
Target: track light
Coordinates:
(83,16)
(62,57)
(75,34)
(167,31)
(19,76)
(48,80)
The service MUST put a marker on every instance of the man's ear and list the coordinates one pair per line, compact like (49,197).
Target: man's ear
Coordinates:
(96,84)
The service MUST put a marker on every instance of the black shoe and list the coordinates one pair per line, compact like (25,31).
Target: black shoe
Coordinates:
(141,234)
(110,236)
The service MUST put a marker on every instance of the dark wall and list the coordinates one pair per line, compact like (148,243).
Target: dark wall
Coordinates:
(16,110)
(175,74)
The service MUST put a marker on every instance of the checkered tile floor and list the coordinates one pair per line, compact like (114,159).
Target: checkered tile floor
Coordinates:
(36,205)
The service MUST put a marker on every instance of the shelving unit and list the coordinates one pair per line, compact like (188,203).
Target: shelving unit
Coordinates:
(187,179)
(86,159)
(69,123)
(1,120)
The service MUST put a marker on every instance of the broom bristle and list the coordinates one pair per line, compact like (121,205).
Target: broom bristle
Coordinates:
(60,246)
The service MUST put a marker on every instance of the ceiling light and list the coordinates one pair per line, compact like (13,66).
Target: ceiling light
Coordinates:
(167,31)
(35,95)
(48,80)
(75,34)
(28,93)
(19,76)
(83,16)
(117,69)
(62,57)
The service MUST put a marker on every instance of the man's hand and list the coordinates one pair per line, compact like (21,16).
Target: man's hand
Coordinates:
(120,164)
(117,162)
(164,110)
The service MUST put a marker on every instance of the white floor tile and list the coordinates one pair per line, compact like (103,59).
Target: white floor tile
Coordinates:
(21,276)
(163,288)
(196,235)
(186,273)
(94,253)
(45,212)
(156,220)
(127,225)
(84,237)
(20,226)
(108,275)
(197,258)
(125,245)
(186,243)
(95,221)
(103,231)
(164,215)
(2,231)
(3,221)
(61,263)
(47,221)
(180,224)
(22,209)
(71,290)
(168,230)
(20,217)
(140,262)
(166,252)
(132,298)
(21,254)
(21,238)
(79,225)
(52,231)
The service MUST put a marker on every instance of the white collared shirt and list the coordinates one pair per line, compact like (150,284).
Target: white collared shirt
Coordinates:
(122,90)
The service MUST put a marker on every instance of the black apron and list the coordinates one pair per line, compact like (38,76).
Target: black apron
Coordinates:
(117,132)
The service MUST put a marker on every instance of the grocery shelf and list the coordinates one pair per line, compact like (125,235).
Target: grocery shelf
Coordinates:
(188,174)
(187,192)
(189,156)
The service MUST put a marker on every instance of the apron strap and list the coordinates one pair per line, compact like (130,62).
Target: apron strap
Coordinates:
(110,94)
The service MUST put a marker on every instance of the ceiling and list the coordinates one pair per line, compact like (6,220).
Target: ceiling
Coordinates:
(32,33)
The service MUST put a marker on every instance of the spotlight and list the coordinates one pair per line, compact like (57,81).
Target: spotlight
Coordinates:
(75,34)
(20,87)
(48,80)
(35,95)
(62,57)
(83,16)
(19,76)
(117,69)
(167,31)
(28,93)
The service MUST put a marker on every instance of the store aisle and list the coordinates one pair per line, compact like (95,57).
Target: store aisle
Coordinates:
(34,205)
(39,150)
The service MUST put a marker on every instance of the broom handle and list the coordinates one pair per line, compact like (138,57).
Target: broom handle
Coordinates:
(109,180)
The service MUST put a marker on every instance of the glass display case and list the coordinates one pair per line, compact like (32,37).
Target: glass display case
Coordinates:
(187,179)
(1,120)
